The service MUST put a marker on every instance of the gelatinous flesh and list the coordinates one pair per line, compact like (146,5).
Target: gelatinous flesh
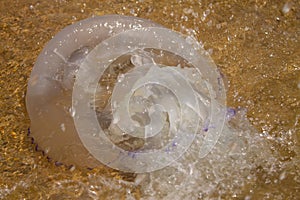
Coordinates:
(124,92)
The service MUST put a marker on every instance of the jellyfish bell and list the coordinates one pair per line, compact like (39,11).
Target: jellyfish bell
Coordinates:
(124,92)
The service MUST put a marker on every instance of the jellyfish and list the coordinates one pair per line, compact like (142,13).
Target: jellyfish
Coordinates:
(124,92)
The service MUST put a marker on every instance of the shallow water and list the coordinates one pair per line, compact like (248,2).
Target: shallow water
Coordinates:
(256,46)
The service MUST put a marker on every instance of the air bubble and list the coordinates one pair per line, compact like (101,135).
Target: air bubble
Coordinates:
(287,7)
(72,112)
(63,127)
(282,175)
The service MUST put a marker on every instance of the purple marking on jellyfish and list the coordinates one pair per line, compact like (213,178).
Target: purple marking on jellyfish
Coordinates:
(28,131)
(174,144)
(89,168)
(231,112)
(207,126)
(131,154)
(70,167)
(58,164)
(36,147)
(49,159)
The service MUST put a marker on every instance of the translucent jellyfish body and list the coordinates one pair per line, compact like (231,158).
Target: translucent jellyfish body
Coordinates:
(124,92)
